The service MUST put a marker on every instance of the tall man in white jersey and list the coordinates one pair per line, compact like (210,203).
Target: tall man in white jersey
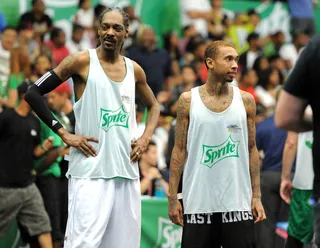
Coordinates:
(104,188)
(298,192)
(215,148)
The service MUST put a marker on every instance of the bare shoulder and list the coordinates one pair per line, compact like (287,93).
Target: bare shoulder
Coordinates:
(247,98)
(72,65)
(139,73)
(248,101)
(184,103)
(81,58)
(136,66)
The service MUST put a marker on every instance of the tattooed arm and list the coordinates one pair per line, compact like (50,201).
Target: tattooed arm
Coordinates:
(148,99)
(253,151)
(178,157)
(257,208)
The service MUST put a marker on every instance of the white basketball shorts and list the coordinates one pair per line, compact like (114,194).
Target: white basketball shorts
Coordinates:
(103,213)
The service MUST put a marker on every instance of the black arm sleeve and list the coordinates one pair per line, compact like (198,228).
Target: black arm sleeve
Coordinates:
(43,85)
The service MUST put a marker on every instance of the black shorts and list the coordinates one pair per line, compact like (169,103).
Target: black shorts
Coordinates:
(213,230)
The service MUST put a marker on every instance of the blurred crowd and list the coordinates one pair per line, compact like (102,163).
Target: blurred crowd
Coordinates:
(36,45)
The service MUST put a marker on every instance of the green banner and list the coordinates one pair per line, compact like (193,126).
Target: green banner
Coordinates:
(157,229)
(12,239)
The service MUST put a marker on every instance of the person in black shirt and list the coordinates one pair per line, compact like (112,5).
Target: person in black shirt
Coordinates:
(40,22)
(301,89)
(19,197)
(155,61)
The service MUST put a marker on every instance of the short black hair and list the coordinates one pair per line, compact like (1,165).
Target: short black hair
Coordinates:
(55,33)
(274,57)
(194,42)
(252,36)
(125,16)
(251,12)
(77,27)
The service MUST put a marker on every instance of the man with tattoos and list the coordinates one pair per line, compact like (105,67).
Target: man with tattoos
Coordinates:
(104,187)
(216,150)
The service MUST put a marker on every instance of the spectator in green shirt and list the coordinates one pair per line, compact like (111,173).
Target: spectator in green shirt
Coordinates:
(48,173)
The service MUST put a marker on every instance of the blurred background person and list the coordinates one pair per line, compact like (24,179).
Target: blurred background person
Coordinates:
(289,52)
(41,23)
(85,18)
(218,22)
(154,61)
(57,46)
(152,181)
(8,92)
(42,64)
(77,43)
(247,59)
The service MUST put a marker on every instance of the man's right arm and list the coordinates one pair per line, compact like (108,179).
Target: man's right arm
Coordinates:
(47,83)
(178,156)
(70,66)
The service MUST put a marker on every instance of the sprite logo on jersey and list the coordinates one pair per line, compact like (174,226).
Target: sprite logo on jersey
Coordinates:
(214,154)
(169,235)
(109,118)
(309,144)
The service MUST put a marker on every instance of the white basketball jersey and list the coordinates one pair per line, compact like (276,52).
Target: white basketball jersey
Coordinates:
(106,111)
(303,177)
(216,175)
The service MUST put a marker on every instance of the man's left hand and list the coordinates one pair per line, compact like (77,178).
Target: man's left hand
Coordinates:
(138,147)
(257,210)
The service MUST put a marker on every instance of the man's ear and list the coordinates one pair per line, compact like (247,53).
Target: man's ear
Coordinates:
(210,63)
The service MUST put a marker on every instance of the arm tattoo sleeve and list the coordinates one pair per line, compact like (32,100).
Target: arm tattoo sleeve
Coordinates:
(253,151)
(179,150)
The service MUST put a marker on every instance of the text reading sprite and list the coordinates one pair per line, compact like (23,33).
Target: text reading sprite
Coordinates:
(111,118)
(213,154)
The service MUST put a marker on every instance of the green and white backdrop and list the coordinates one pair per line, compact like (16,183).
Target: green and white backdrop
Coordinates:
(163,15)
